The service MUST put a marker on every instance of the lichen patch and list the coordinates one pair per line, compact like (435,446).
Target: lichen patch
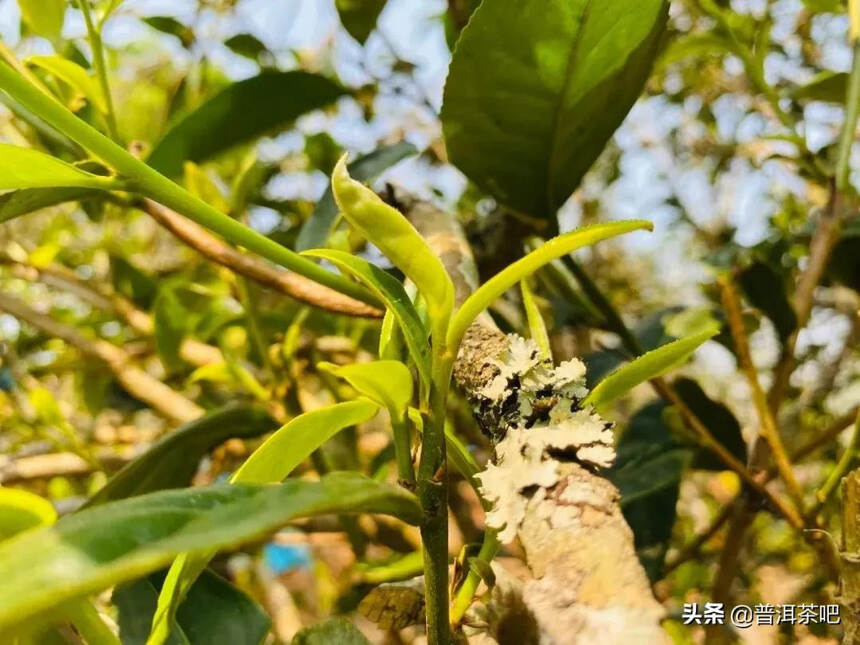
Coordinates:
(539,423)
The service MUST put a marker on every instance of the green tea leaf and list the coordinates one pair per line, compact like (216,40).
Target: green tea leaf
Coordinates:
(295,441)
(387,383)
(99,547)
(172,461)
(246,45)
(524,267)
(397,239)
(396,300)
(21,202)
(358,17)
(74,76)
(537,88)
(826,86)
(22,168)
(645,367)
(334,631)
(766,290)
(171,26)
(21,510)
(44,17)
(317,227)
(537,326)
(242,112)
(213,612)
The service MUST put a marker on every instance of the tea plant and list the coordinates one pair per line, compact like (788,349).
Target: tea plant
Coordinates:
(534,94)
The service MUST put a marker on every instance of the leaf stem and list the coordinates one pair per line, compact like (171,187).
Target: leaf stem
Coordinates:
(842,466)
(100,67)
(151,183)
(849,125)
(465,594)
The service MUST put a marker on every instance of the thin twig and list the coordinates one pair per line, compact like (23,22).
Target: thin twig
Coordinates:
(134,380)
(731,304)
(286,282)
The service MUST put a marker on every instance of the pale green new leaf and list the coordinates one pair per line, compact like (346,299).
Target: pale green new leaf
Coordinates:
(396,300)
(537,326)
(396,238)
(387,383)
(524,267)
(44,17)
(645,367)
(294,442)
(21,510)
(28,168)
(100,547)
(74,76)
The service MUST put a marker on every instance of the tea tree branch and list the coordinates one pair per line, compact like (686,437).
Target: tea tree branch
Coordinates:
(149,182)
(290,284)
(731,303)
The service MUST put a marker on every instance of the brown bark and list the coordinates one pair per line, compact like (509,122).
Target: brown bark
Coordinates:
(586,584)
(134,380)
(254,268)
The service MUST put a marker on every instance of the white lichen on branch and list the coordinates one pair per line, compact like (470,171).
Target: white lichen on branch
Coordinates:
(538,424)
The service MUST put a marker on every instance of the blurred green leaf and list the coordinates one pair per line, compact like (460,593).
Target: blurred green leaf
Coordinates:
(173,460)
(316,229)
(44,17)
(765,289)
(337,631)
(171,26)
(22,168)
(825,6)
(643,368)
(359,17)
(537,326)
(242,112)
(388,383)
(246,45)
(172,323)
(722,423)
(396,300)
(21,202)
(103,546)
(844,265)
(214,611)
(555,248)
(131,282)
(826,86)
(21,510)
(322,151)
(536,89)
(693,46)
(74,76)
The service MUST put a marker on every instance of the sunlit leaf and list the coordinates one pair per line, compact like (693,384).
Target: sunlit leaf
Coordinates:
(21,510)
(537,326)
(241,112)
(172,461)
(396,238)
(44,17)
(294,442)
(388,383)
(645,367)
(536,89)
(102,546)
(316,229)
(484,296)
(74,76)
(22,168)
(396,300)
